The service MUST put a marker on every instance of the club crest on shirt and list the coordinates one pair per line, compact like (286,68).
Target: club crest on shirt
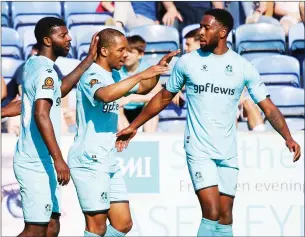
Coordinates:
(48,83)
(198,176)
(104,197)
(47,209)
(93,82)
(204,68)
(229,70)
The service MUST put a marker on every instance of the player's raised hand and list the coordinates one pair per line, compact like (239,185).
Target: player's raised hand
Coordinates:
(294,147)
(154,71)
(124,137)
(63,172)
(93,46)
(168,57)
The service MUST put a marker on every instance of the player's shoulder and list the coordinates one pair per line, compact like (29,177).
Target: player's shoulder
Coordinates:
(239,59)
(92,73)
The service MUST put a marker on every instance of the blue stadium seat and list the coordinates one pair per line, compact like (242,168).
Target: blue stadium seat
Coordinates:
(159,38)
(289,100)
(9,67)
(10,43)
(303,74)
(253,40)
(153,59)
(5,22)
(88,19)
(296,41)
(82,36)
(28,41)
(278,70)
(75,8)
(35,8)
(66,65)
(26,14)
(294,124)
(172,118)
(83,13)
(189,28)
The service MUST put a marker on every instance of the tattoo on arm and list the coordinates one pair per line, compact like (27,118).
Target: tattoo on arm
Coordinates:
(278,122)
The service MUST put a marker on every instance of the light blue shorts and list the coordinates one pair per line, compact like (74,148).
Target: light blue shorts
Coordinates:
(98,186)
(206,172)
(40,191)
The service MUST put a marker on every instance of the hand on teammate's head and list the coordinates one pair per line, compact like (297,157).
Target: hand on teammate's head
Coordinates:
(93,46)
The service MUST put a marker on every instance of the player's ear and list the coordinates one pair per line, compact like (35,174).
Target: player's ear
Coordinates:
(47,41)
(223,33)
(104,51)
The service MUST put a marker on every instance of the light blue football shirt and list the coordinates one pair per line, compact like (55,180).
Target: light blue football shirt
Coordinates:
(214,84)
(39,81)
(125,74)
(96,121)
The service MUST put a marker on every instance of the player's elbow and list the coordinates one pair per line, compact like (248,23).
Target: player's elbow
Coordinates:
(40,116)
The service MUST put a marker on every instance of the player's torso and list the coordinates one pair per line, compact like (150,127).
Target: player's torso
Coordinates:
(96,124)
(213,86)
(214,83)
(31,144)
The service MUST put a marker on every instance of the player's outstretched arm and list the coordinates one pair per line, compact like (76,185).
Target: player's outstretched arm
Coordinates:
(154,107)
(145,86)
(69,81)
(117,90)
(276,119)
(44,124)
(12,109)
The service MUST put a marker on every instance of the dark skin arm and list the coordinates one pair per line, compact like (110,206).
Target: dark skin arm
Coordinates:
(70,80)
(146,86)
(12,109)
(117,90)
(45,126)
(276,119)
(154,107)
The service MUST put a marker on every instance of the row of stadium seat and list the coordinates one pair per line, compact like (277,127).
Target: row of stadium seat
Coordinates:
(250,40)
(275,70)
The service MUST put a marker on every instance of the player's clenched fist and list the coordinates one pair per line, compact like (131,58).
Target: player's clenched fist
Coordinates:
(63,172)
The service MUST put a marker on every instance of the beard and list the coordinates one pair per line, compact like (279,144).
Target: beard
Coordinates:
(59,51)
(211,46)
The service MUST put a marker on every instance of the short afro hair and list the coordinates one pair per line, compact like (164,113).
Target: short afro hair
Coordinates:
(223,17)
(44,28)
(106,38)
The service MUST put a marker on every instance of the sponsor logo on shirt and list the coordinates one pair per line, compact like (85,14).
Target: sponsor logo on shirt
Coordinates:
(48,83)
(209,87)
(109,107)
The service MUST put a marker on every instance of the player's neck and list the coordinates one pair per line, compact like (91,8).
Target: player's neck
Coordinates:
(221,49)
(47,53)
(103,63)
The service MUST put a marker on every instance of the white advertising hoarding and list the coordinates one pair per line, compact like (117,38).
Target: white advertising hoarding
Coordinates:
(269,199)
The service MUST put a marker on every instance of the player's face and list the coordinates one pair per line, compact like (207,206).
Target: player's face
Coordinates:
(209,32)
(61,41)
(191,44)
(133,57)
(117,52)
